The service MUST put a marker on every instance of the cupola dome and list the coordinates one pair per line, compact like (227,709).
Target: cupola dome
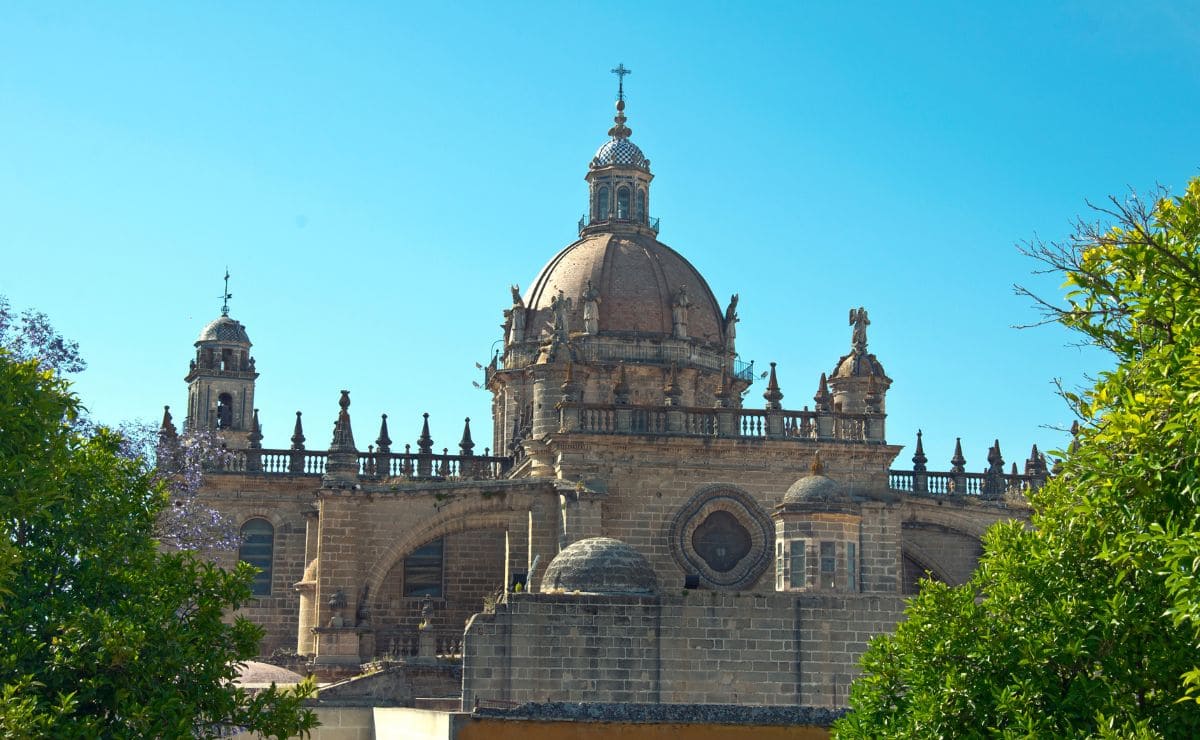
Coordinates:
(224,329)
(600,565)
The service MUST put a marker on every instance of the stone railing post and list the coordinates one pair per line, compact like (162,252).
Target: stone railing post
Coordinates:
(568,417)
(824,426)
(674,420)
(624,419)
(774,425)
(726,423)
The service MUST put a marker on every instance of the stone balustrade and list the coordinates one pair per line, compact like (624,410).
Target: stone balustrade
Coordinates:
(593,418)
(371,465)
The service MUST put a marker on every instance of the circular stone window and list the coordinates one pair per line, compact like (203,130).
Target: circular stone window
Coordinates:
(724,536)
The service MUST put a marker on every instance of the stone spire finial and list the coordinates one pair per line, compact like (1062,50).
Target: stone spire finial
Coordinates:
(167,448)
(817,467)
(1035,465)
(822,397)
(722,392)
(341,465)
(425,442)
(919,459)
(466,445)
(343,434)
(1074,436)
(298,434)
(256,435)
(383,442)
(569,388)
(1013,472)
(167,428)
(958,462)
(773,394)
(621,387)
(672,389)
(995,460)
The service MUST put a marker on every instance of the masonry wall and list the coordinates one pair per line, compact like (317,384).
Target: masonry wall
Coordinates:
(698,647)
(472,570)
(646,480)
(281,500)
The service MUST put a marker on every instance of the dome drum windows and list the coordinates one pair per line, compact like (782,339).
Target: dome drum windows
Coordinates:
(623,203)
(258,549)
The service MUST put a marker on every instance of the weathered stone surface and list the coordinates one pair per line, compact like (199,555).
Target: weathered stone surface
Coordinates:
(600,565)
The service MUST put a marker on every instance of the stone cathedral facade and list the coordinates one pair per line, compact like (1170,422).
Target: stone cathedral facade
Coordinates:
(644,527)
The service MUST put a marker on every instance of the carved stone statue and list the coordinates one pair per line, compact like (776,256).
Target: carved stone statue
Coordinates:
(860,322)
(591,309)
(362,613)
(679,313)
(515,317)
(731,320)
(559,307)
(426,611)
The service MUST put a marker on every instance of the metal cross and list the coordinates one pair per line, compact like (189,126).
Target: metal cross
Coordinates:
(620,71)
(227,295)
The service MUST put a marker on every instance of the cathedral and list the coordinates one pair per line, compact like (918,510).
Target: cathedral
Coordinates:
(645,529)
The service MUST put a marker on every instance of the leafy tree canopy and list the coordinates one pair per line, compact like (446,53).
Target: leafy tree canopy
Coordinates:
(101,632)
(1088,623)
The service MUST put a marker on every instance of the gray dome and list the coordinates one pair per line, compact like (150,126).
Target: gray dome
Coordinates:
(858,365)
(600,565)
(816,488)
(620,151)
(224,329)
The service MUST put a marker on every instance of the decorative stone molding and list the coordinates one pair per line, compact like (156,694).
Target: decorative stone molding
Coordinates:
(724,536)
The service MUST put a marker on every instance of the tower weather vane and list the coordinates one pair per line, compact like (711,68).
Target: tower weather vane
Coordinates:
(226,295)
(620,71)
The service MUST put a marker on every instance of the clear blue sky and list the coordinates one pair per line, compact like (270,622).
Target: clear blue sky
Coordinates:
(376,175)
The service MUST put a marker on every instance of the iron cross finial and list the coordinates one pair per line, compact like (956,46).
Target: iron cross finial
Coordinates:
(226,295)
(620,71)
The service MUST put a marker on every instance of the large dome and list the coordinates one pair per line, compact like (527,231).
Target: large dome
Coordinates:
(600,565)
(637,278)
(224,329)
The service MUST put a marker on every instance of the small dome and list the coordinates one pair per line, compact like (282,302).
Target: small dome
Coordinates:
(816,489)
(858,365)
(224,329)
(253,675)
(600,565)
(620,151)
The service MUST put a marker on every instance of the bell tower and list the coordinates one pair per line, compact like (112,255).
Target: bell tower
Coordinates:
(221,379)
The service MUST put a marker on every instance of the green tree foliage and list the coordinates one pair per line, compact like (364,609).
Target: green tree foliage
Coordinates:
(1088,623)
(102,633)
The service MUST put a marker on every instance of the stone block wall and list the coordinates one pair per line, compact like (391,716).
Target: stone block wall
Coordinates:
(694,647)
(282,501)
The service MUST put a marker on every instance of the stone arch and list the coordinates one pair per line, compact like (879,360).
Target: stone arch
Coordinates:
(971,520)
(924,560)
(430,530)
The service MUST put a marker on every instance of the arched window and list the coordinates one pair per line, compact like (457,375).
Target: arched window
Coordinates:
(601,204)
(641,205)
(258,549)
(423,570)
(623,203)
(224,411)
